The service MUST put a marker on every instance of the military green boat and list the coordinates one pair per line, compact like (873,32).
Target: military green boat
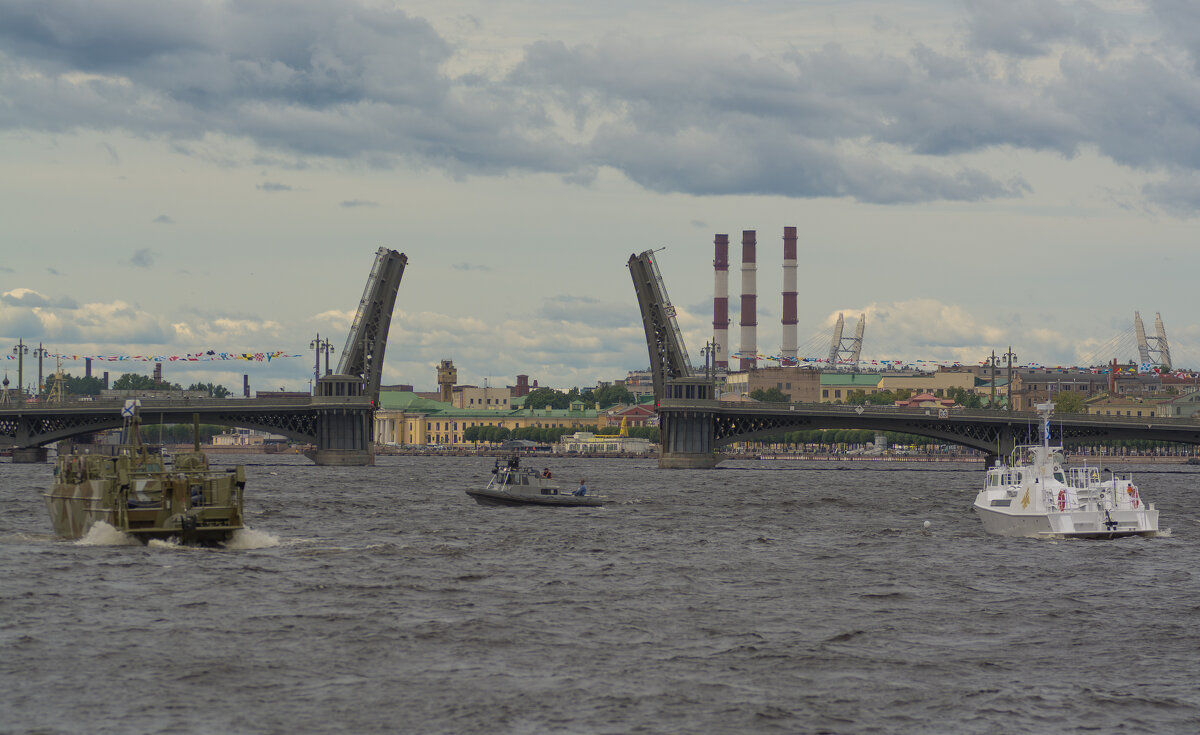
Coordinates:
(144,493)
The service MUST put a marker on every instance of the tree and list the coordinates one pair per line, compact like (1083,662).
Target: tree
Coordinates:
(769,395)
(83,386)
(1068,402)
(548,397)
(607,397)
(965,398)
(136,381)
(213,390)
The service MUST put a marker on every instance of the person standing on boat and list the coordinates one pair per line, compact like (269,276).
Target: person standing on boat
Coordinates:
(546,473)
(582,489)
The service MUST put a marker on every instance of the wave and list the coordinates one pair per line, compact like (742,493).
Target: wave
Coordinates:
(102,534)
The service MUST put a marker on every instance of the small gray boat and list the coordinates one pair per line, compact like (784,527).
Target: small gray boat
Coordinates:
(510,485)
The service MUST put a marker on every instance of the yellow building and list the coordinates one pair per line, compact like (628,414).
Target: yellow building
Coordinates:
(406,419)
(1107,405)
(799,384)
(937,384)
(473,398)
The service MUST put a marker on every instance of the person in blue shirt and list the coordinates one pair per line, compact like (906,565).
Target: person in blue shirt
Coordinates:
(582,489)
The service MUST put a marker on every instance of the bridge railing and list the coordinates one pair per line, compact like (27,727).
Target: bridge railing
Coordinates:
(953,412)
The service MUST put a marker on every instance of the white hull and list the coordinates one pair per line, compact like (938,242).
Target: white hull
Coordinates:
(1032,495)
(1070,524)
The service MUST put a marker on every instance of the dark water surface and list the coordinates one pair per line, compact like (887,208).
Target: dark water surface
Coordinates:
(760,597)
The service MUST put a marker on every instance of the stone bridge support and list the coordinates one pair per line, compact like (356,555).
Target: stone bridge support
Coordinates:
(687,440)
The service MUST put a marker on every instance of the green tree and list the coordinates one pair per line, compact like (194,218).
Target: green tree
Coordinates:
(213,390)
(965,398)
(83,386)
(1068,402)
(769,395)
(137,381)
(608,397)
(548,397)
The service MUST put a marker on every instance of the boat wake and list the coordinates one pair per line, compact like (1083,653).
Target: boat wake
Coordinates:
(247,538)
(102,534)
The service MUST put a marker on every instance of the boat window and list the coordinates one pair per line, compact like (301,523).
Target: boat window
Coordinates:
(1060,477)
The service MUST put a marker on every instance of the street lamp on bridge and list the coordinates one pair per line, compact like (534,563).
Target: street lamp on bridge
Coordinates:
(321,346)
(709,350)
(992,362)
(1010,357)
(40,353)
(20,351)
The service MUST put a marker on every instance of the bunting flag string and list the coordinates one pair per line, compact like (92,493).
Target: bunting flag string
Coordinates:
(1144,368)
(206,356)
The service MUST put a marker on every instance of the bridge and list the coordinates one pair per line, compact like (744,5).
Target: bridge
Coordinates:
(338,419)
(694,425)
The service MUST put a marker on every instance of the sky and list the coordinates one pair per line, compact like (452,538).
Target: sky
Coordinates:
(971,176)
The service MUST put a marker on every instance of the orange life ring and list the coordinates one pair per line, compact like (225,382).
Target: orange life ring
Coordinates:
(1133,495)
(1062,499)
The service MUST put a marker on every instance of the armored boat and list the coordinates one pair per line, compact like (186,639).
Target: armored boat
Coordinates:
(510,485)
(144,493)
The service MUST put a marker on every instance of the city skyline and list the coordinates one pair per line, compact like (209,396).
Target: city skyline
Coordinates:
(214,176)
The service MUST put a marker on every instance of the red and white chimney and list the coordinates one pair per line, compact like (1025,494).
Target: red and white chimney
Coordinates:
(749,320)
(788,351)
(721,302)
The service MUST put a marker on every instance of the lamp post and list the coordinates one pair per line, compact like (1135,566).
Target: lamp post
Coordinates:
(40,353)
(20,351)
(709,350)
(320,345)
(992,362)
(1009,358)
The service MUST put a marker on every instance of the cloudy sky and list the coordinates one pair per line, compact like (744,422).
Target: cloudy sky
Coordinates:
(186,176)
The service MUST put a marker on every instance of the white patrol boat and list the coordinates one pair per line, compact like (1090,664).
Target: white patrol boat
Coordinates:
(1033,495)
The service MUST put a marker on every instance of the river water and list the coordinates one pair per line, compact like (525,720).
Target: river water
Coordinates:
(790,597)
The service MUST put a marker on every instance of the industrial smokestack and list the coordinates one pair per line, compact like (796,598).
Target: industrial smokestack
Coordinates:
(721,302)
(788,352)
(749,302)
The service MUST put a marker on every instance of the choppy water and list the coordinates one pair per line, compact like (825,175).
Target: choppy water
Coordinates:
(760,597)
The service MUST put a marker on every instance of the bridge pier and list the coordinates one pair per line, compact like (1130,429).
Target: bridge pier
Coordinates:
(29,455)
(687,440)
(345,436)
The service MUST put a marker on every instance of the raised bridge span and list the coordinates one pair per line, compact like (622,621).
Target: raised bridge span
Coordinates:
(338,419)
(695,425)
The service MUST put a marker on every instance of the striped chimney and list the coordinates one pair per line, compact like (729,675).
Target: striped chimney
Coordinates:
(721,302)
(788,353)
(749,302)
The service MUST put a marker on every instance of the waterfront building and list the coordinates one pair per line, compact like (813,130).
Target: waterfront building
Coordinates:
(473,397)
(799,384)
(1129,406)
(939,383)
(639,415)
(837,387)
(405,418)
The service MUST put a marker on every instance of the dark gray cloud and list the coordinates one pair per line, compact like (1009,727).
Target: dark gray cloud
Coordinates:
(163,219)
(273,186)
(1032,27)
(355,80)
(142,258)
(471,267)
(351,203)
(586,311)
